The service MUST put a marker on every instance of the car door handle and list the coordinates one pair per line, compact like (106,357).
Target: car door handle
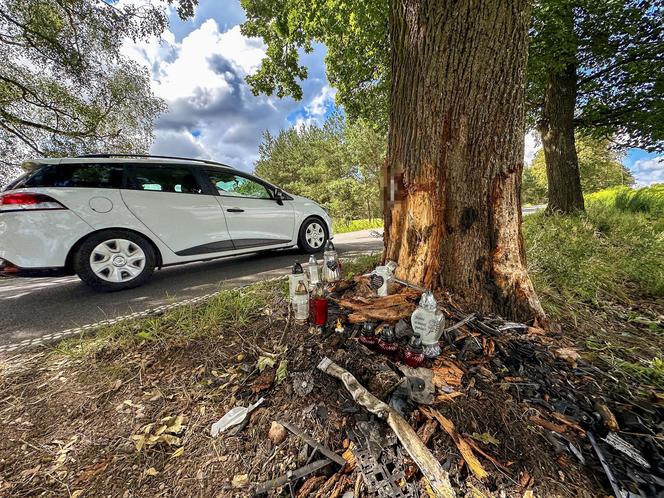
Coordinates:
(235,210)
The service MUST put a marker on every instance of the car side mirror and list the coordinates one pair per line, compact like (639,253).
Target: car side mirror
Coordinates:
(279,197)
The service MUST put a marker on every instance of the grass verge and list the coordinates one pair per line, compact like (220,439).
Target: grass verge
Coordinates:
(600,275)
(355,225)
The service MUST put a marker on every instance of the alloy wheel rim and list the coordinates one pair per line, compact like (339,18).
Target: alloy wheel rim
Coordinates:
(315,235)
(117,260)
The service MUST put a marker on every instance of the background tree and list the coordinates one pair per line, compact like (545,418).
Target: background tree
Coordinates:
(456,132)
(64,86)
(600,167)
(336,164)
(596,68)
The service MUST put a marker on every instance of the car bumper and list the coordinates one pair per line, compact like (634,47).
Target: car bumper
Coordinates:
(9,269)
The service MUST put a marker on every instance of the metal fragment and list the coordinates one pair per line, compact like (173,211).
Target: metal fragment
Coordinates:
(290,476)
(314,444)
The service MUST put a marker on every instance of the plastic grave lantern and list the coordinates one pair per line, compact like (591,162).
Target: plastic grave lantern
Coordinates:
(331,266)
(428,323)
(301,303)
(297,275)
(381,277)
(313,271)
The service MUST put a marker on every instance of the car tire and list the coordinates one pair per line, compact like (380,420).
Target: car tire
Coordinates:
(114,260)
(313,236)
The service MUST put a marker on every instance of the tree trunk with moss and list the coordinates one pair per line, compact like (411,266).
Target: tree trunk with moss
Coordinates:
(557,131)
(453,173)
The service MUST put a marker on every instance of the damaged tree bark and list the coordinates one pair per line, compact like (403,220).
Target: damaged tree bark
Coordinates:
(453,175)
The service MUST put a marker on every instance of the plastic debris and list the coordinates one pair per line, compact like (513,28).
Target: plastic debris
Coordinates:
(233,417)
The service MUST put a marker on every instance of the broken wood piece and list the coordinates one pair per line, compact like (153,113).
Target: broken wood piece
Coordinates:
(476,447)
(464,447)
(547,425)
(569,423)
(608,417)
(436,476)
(291,475)
(310,485)
(314,444)
(446,373)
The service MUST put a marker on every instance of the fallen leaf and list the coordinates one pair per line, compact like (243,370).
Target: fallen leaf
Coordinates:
(151,471)
(264,362)
(263,381)
(485,438)
(568,355)
(240,481)
(76,493)
(282,372)
(178,453)
(464,448)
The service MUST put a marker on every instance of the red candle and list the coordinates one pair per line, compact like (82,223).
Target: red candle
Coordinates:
(318,311)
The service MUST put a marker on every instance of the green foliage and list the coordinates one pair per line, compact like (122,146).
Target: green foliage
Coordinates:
(65,87)
(600,167)
(355,225)
(604,254)
(355,35)
(336,164)
(616,49)
(644,200)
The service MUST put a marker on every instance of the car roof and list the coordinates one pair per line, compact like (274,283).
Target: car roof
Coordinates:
(123,159)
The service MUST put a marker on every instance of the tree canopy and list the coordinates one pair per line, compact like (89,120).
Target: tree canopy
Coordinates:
(617,50)
(600,167)
(336,164)
(358,51)
(65,87)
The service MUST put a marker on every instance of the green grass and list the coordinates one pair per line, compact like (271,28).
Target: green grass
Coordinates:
(605,253)
(355,225)
(229,308)
(648,200)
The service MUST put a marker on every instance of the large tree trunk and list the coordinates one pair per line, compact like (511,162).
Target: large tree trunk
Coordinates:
(557,131)
(453,213)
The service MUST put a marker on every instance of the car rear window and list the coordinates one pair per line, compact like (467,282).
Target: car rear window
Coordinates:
(87,175)
(177,179)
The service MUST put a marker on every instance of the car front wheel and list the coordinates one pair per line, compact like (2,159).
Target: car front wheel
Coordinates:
(114,260)
(313,235)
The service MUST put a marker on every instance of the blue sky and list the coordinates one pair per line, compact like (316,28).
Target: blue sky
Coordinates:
(199,67)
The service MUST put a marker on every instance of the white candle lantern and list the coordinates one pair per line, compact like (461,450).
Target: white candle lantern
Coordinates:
(297,275)
(312,269)
(331,267)
(428,323)
(381,277)
(301,303)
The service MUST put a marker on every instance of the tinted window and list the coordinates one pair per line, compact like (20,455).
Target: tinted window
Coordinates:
(233,185)
(163,179)
(76,175)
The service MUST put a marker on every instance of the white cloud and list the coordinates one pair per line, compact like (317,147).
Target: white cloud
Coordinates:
(649,171)
(212,112)
(532,146)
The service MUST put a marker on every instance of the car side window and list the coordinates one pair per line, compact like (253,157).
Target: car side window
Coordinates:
(81,175)
(175,179)
(232,185)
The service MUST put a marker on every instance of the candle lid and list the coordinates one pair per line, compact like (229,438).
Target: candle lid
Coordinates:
(329,246)
(428,301)
(297,268)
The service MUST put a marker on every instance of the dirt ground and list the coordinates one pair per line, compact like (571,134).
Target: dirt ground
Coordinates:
(523,400)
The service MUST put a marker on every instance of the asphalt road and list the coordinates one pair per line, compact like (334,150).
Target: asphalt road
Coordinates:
(32,307)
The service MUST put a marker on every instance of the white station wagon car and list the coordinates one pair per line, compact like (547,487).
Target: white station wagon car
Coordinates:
(113,219)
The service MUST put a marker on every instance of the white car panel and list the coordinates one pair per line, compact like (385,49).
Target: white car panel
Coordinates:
(40,239)
(255,222)
(182,221)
